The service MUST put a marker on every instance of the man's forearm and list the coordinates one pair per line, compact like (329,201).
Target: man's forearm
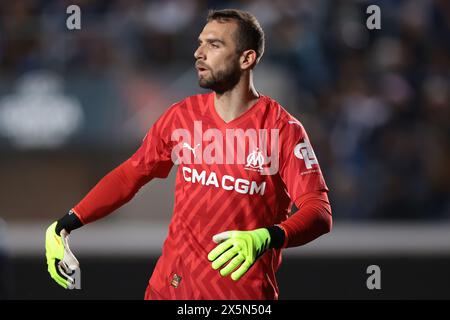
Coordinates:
(312,220)
(114,190)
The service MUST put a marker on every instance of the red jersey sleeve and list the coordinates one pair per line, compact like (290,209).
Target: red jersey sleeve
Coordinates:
(306,186)
(299,167)
(151,160)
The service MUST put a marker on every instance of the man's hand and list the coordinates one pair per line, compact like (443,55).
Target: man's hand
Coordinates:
(62,264)
(241,247)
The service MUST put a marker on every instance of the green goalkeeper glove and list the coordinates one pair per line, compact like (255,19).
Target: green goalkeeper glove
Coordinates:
(241,247)
(62,264)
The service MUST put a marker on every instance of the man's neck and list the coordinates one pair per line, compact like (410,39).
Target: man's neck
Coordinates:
(231,104)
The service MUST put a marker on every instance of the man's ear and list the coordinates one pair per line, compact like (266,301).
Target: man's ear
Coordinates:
(248,59)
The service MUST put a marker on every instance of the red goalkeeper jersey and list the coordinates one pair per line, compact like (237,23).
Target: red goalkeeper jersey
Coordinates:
(240,175)
(213,195)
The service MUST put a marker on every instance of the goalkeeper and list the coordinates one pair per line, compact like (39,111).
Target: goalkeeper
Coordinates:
(231,218)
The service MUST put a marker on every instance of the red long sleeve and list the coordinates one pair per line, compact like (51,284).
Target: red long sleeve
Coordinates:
(111,192)
(312,220)
(151,160)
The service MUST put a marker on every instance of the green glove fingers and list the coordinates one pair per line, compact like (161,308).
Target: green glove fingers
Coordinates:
(238,248)
(225,257)
(241,271)
(61,263)
(217,251)
(234,263)
(54,250)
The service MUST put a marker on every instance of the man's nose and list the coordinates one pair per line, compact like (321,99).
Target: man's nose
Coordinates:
(199,53)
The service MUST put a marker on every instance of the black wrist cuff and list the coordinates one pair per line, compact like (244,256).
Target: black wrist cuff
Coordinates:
(69,222)
(276,237)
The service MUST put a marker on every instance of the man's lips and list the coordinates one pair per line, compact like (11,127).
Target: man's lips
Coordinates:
(200,67)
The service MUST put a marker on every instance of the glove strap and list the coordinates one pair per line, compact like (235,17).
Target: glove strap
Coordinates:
(68,222)
(277,237)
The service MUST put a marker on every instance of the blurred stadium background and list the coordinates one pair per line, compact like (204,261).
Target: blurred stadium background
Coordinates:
(74,104)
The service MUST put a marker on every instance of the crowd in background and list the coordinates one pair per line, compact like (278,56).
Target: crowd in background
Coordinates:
(376,103)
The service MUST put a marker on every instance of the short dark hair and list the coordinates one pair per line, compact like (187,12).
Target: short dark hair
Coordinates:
(249,35)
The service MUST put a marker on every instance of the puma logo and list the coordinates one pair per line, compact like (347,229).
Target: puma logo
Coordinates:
(187,146)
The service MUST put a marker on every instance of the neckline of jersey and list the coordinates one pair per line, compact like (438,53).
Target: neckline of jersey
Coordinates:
(221,123)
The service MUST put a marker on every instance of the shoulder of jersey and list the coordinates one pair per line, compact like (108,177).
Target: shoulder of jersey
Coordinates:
(190,103)
(282,117)
(195,102)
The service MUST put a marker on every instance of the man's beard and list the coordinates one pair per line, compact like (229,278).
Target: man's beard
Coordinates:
(221,81)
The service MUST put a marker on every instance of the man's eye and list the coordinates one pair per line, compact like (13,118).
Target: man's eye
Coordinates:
(214,45)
